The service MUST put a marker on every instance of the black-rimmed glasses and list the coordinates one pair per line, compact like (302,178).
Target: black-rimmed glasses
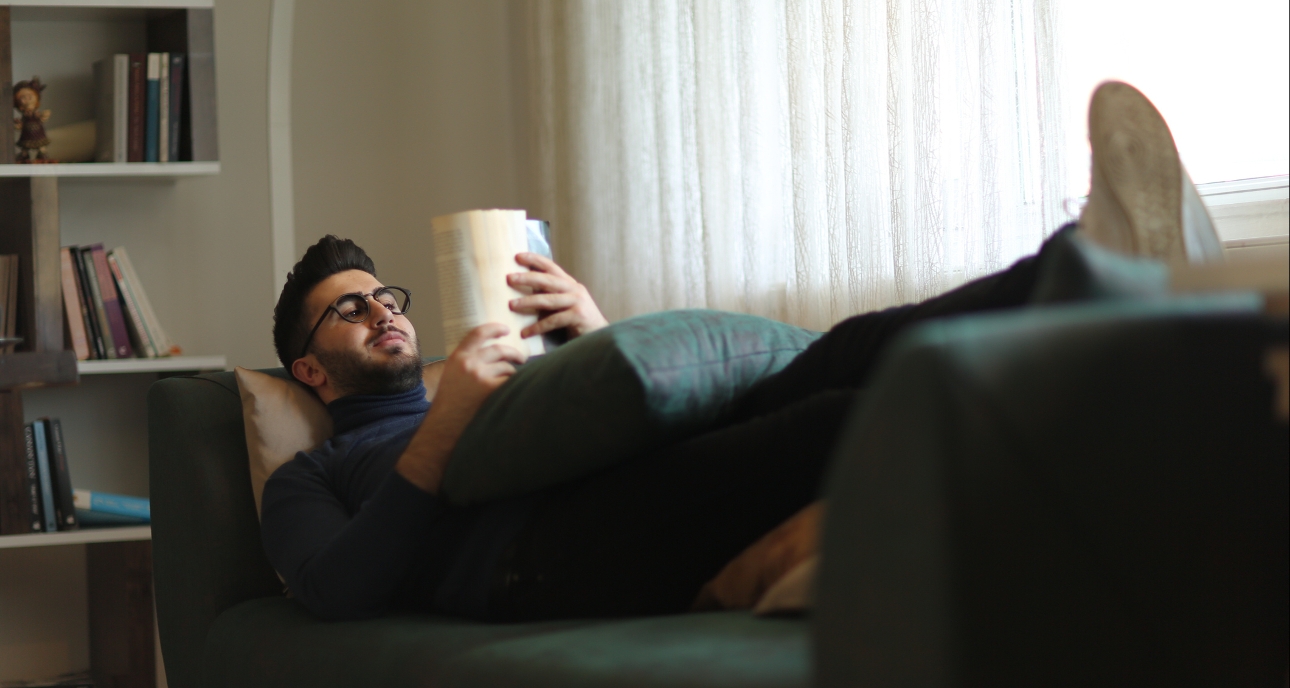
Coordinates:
(355,308)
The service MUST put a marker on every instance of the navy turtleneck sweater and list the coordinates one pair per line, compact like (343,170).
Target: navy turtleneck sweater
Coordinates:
(354,539)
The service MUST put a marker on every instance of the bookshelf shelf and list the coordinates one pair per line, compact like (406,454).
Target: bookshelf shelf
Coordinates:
(78,537)
(139,4)
(152,365)
(112,169)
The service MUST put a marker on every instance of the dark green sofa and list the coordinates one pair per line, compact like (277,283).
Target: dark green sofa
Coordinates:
(1074,495)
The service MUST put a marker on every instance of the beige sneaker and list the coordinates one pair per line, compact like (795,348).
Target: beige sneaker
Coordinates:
(1141,201)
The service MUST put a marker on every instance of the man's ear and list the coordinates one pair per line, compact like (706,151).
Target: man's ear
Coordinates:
(308,371)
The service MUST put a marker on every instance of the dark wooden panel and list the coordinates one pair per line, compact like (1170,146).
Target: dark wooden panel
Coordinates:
(29,228)
(122,649)
(27,369)
(14,517)
(6,87)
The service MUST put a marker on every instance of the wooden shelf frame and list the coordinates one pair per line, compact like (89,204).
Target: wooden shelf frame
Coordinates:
(78,537)
(112,169)
(172,364)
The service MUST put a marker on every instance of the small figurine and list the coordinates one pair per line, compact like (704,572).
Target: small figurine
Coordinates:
(26,100)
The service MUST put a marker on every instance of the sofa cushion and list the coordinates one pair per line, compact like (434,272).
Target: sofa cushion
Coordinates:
(612,395)
(274,642)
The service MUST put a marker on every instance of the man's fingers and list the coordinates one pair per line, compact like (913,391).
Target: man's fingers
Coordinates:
(543,302)
(552,322)
(481,335)
(541,281)
(539,262)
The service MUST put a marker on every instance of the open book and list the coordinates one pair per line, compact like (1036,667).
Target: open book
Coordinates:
(474,252)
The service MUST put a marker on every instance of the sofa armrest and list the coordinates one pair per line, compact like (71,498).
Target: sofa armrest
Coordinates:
(207,554)
(1067,496)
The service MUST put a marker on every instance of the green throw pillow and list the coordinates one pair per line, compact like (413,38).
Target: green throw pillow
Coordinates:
(614,395)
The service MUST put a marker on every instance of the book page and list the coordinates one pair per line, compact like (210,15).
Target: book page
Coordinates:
(475,251)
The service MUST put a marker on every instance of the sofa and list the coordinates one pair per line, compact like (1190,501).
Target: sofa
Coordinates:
(1074,494)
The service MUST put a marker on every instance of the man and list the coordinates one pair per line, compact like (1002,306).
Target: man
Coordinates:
(356,529)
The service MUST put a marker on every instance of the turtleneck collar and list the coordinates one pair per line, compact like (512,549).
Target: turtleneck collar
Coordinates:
(355,411)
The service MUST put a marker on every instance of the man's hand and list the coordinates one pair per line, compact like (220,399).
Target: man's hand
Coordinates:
(558,299)
(472,371)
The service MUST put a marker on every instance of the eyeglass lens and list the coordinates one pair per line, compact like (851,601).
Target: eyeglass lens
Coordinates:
(354,308)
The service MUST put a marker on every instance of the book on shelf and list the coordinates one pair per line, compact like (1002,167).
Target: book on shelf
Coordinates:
(64,505)
(139,107)
(8,300)
(474,251)
(30,500)
(111,303)
(112,109)
(111,504)
(49,516)
(98,294)
(176,100)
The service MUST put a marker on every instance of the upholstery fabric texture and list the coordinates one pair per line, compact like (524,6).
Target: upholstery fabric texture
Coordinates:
(614,395)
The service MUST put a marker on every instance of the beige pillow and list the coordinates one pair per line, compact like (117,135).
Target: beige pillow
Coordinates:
(283,417)
(784,555)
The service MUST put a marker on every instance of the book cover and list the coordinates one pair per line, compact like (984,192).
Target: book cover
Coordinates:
(108,503)
(110,118)
(137,107)
(31,482)
(72,306)
(102,328)
(43,467)
(153,117)
(163,108)
(64,506)
(97,518)
(89,306)
(177,62)
(111,304)
(163,344)
(138,328)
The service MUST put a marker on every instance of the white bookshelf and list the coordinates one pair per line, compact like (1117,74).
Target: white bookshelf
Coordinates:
(148,4)
(78,537)
(112,169)
(152,365)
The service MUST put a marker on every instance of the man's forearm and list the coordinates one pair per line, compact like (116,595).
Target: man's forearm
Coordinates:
(425,459)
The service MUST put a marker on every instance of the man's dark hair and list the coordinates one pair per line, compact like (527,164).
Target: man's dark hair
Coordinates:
(324,259)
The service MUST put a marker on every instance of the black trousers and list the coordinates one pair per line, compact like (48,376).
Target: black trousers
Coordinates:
(643,538)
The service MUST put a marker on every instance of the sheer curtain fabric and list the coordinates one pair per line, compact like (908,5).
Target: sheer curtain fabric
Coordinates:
(799,160)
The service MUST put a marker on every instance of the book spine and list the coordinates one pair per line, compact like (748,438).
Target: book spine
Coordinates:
(138,328)
(111,304)
(72,305)
(108,503)
(31,483)
(87,305)
(154,108)
(164,346)
(50,516)
(85,517)
(121,104)
(202,109)
(163,107)
(138,106)
(104,110)
(176,101)
(96,297)
(64,506)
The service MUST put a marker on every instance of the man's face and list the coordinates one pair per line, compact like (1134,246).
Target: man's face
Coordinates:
(380,355)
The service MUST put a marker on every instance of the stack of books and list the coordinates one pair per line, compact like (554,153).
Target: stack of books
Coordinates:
(49,499)
(108,313)
(8,302)
(140,108)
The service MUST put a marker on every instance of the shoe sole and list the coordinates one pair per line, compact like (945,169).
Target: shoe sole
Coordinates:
(1136,163)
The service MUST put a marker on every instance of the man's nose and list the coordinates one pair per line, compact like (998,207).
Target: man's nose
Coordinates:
(380,314)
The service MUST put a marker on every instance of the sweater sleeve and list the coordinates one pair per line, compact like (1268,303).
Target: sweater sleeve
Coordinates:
(341,566)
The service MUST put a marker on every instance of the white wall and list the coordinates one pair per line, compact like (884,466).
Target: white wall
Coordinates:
(400,111)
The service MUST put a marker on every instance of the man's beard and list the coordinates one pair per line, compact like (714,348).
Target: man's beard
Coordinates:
(350,373)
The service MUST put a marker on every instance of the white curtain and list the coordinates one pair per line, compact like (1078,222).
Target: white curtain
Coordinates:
(799,160)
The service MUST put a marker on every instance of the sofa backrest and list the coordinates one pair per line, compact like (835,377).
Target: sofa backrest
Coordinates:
(207,554)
